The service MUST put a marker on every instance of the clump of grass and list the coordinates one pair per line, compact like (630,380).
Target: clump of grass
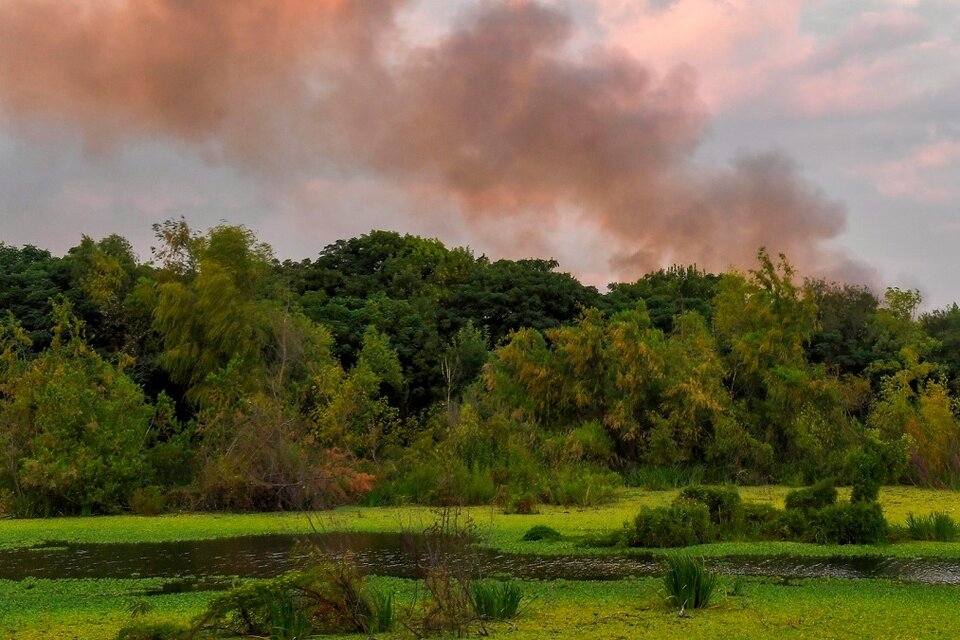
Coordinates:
(541,532)
(380,618)
(687,583)
(937,526)
(496,600)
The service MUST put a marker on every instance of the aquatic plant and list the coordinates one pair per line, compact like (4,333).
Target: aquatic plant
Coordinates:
(496,600)
(687,583)
(937,526)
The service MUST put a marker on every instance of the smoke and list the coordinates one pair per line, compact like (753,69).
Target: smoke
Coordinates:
(499,115)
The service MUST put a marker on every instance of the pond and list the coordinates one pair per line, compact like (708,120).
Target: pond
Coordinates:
(201,562)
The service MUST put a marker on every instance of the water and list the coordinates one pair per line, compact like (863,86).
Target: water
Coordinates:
(205,563)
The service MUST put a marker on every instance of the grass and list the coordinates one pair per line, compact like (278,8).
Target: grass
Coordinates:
(496,600)
(686,582)
(936,526)
(767,610)
(503,532)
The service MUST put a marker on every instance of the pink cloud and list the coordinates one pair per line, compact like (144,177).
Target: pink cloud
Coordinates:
(916,175)
(757,56)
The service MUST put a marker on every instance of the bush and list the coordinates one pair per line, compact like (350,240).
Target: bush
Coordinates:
(541,532)
(327,598)
(164,631)
(496,600)
(723,503)
(823,494)
(664,477)
(523,504)
(687,583)
(681,524)
(853,523)
(759,519)
(580,485)
(148,501)
(936,527)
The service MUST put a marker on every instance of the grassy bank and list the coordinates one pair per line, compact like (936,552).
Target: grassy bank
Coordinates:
(96,609)
(499,530)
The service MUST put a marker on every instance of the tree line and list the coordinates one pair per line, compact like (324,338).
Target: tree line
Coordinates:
(391,368)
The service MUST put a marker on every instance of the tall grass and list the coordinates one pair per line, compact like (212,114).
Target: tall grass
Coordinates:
(937,526)
(687,583)
(496,600)
(380,618)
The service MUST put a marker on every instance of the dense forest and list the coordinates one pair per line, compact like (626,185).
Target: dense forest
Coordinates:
(394,369)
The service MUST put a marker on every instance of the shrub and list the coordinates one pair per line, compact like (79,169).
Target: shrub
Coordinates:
(165,631)
(680,524)
(823,494)
(522,504)
(541,532)
(148,501)
(760,519)
(580,485)
(937,526)
(687,583)
(853,523)
(496,600)
(723,503)
(327,598)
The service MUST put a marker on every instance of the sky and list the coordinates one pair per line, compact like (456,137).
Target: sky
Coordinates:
(613,135)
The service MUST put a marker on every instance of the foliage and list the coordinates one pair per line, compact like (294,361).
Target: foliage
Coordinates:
(687,583)
(936,526)
(541,532)
(496,600)
(681,524)
(147,501)
(852,523)
(162,631)
(326,598)
(822,494)
(724,504)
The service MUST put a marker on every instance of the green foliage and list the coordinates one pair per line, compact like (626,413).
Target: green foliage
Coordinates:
(853,523)
(681,524)
(148,501)
(726,508)
(937,526)
(381,607)
(75,426)
(327,598)
(496,600)
(162,631)
(687,584)
(541,532)
(822,494)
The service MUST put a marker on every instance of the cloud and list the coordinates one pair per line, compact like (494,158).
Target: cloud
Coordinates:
(496,116)
(916,175)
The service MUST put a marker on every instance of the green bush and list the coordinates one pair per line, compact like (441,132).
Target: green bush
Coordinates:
(852,523)
(327,598)
(723,503)
(580,485)
(937,526)
(495,600)
(687,583)
(148,501)
(760,520)
(522,504)
(541,532)
(680,524)
(165,631)
(823,494)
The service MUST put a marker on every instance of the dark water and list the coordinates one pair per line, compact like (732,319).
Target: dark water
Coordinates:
(201,562)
